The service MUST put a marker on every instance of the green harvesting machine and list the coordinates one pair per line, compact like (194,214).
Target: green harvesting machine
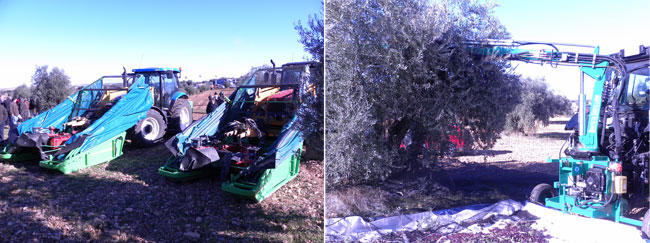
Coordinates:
(252,140)
(90,126)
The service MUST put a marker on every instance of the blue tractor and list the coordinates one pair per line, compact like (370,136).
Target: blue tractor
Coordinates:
(171,111)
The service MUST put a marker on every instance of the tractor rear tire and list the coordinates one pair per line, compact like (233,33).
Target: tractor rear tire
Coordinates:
(645,227)
(148,131)
(541,192)
(181,115)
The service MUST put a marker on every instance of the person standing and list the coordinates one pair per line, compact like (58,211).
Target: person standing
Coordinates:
(3,121)
(23,109)
(7,104)
(14,117)
(212,104)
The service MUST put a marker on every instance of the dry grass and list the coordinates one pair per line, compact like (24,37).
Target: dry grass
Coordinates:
(201,101)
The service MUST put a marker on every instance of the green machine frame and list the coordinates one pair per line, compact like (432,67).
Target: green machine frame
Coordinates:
(584,154)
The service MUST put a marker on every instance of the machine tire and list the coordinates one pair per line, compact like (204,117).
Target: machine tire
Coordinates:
(148,131)
(645,227)
(181,115)
(541,192)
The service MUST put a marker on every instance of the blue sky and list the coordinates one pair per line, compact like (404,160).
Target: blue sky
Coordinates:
(613,25)
(89,39)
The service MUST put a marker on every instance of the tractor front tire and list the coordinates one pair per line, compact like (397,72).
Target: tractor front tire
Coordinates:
(541,192)
(148,131)
(181,115)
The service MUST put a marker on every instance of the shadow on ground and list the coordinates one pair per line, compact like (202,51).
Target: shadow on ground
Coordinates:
(554,135)
(558,122)
(482,152)
(126,200)
(459,185)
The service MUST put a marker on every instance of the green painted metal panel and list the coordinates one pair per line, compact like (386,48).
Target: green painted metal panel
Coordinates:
(590,138)
(101,153)
(270,181)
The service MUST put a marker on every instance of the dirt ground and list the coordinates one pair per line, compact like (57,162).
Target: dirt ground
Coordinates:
(201,101)
(509,170)
(126,200)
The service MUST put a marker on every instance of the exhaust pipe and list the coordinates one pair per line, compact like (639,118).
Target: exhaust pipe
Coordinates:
(582,112)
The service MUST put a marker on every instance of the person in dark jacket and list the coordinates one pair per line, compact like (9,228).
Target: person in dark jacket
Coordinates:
(3,121)
(23,109)
(212,104)
(14,117)
(220,98)
(7,103)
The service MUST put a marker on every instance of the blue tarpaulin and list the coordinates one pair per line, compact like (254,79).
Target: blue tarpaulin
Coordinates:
(130,109)
(289,140)
(59,115)
(207,125)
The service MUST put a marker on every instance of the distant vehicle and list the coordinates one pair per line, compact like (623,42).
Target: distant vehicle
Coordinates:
(223,82)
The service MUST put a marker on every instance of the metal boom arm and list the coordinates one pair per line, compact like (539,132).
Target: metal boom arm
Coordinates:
(592,64)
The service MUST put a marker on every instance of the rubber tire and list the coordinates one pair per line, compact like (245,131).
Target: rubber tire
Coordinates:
(175,124)
(139,137)
(541,192)
(645,227)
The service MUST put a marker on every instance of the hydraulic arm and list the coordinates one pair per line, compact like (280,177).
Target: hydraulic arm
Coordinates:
(592,64)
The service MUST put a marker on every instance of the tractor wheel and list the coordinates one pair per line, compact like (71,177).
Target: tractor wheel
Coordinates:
(541,192)
(645,227)
(181,115)
(149,130)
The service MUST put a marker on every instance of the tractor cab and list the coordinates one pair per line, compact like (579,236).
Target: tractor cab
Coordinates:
(636,96)
(163,80)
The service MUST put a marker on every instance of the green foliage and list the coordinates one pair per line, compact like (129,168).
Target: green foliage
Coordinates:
(311,115)
(538,104)
(250,73)
(311,37)
(22,91)
(50,88)
(188,87)
(399,66)
(204,87)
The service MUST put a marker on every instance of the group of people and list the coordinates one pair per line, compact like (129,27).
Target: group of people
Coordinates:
(214,102)
(12,112)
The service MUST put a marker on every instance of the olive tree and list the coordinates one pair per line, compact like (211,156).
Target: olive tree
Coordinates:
(50,87)
(312,113)
(537,106)
(400,68)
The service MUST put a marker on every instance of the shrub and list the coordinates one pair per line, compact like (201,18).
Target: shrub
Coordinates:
(204,87)
(537,105)
(50,88)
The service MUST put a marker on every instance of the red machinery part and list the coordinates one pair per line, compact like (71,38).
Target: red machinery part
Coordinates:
(58,139)
(284,95)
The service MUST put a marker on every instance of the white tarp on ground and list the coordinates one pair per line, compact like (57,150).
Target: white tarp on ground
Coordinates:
(357,229)
(561,227)
(572,228)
